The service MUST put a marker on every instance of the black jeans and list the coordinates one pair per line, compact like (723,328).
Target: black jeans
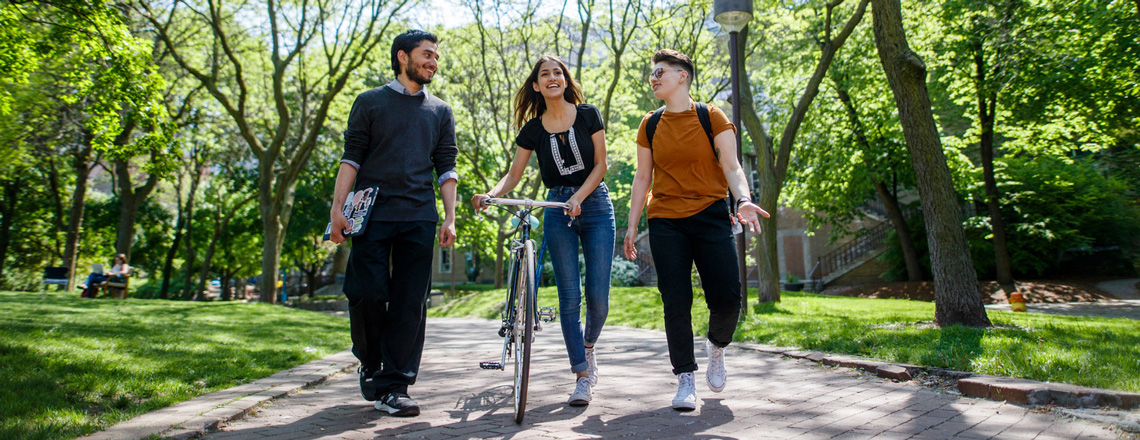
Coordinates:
(706,239)
(387,282)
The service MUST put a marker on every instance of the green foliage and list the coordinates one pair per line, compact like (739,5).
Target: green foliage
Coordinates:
(894,257)
(71,366)
(1051,206)
(623,272)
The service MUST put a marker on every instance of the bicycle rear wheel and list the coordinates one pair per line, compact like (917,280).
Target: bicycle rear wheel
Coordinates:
(524,327)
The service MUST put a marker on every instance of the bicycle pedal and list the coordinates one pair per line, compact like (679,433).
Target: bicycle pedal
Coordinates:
(491,365)
(547,314)
(502,331)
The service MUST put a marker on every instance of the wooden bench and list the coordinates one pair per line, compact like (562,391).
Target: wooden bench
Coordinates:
(55,275)
(114,288)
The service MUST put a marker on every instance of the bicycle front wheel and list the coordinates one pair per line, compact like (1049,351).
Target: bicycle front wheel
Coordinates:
(524,327)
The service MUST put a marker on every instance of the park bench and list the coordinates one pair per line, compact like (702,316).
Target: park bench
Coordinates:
(55,275)
(115,288)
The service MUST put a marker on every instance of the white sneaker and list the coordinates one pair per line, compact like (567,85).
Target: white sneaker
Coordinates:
(716,375)
(592,366)
(582,392)
(686,398)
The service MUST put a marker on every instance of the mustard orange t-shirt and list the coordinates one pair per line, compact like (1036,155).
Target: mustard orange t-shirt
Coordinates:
(687,177)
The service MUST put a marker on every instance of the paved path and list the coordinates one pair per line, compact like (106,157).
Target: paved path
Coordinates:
(1122,289)
(767,397)
(1128,305)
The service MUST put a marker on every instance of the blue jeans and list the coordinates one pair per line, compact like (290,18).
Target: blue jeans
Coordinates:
(594,229)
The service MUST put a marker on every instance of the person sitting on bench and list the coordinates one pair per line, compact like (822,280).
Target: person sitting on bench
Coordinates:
(118,274)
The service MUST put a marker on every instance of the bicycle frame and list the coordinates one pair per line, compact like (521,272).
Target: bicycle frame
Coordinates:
(517,331)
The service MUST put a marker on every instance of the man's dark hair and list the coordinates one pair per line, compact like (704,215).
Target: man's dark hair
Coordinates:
(678,59)
(407,42)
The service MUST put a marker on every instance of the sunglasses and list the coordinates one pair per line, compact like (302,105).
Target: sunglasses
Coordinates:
(658,72)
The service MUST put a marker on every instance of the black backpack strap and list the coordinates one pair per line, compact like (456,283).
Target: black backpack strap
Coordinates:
(651,125)
(706,122)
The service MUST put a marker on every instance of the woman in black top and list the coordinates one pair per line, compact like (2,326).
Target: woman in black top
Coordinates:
(568,137)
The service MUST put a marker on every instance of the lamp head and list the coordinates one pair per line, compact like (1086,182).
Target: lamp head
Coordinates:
(732,15)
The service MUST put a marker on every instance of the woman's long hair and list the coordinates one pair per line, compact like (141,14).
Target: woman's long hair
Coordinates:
(530,104)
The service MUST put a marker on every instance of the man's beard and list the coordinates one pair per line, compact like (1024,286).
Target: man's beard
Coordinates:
(413,73)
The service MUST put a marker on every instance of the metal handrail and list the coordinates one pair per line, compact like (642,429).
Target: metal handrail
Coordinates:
(871,240)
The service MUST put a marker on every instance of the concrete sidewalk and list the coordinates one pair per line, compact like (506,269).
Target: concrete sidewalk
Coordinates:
(768,396)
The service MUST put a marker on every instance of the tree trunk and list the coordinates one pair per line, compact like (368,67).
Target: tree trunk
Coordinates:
(226,294)
(768,263)
(168,263)
(956,296)
(81,164)
(772,166)
(987,105)
(898,221)
(890,201)
(340,260)
(311,275)
(131,200)
(187,216)
(204,273)
(57,208)
(276,204)
(612,87)
(11,190)
(221,222)
(585,15)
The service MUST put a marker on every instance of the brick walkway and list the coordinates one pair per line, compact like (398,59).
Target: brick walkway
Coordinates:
(767,397)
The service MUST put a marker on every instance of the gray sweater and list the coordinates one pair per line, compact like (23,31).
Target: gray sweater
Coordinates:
(395,141)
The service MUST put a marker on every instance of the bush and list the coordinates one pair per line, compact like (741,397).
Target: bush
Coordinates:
(1052,207)
(623,272)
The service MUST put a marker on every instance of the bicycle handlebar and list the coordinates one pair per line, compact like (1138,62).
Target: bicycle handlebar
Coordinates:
(526,202)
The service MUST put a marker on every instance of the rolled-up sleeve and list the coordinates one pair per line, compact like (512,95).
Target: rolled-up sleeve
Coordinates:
(357,139)
(443,157)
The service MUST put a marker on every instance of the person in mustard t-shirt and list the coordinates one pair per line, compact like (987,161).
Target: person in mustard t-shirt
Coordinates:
(689,217)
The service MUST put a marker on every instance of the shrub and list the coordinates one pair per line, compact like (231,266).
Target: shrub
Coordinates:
(1052,206)
(623,272)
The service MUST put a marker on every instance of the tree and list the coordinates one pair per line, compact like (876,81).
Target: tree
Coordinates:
(313,52)
(772,164)
(956,296)
(100,79)
(504,40)
(619,30)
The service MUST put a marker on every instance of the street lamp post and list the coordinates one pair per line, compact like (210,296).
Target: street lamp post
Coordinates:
(733,15)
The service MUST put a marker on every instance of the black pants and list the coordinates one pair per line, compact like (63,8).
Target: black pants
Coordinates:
(387,282)
(705,239)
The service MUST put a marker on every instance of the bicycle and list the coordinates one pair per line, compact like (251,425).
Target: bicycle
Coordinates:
(520,315)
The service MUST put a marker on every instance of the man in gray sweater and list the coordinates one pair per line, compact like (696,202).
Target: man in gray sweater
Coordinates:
(397,135)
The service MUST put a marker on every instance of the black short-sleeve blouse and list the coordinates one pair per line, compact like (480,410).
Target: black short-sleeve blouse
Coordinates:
(567,158)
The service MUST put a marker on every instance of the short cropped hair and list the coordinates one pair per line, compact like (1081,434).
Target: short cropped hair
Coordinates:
(678,59)
(407,42)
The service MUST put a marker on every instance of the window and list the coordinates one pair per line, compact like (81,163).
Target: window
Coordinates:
(444,260)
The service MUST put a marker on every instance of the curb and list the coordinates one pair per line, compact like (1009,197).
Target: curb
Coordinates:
(1022,391)
(195,417)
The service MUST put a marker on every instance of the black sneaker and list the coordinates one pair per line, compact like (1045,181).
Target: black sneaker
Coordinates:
(367,389)
(398,404)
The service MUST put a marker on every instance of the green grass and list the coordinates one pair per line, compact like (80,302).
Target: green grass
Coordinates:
(1096,352)
(71,366)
